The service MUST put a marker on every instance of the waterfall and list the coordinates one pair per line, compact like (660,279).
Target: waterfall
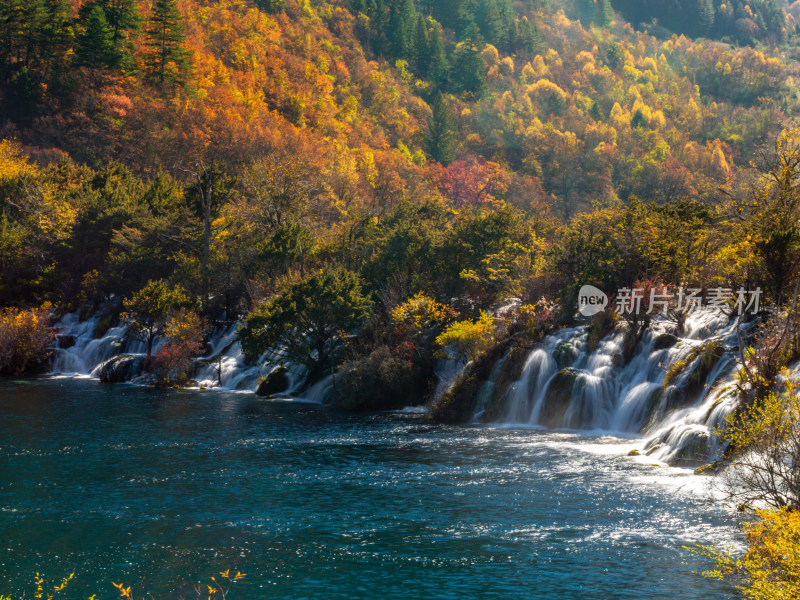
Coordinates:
(83,349)
(563,384)
(81,352)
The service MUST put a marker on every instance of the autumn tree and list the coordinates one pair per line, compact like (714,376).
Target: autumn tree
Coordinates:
(35,220)
(770,567)
(771,212)
(469,339)
(183,340)
(26,340)
(210,188)
(147,311)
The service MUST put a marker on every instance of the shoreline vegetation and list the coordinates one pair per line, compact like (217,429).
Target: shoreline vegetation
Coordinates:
(367,184)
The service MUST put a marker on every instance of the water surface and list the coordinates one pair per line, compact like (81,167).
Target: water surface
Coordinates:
(164,488)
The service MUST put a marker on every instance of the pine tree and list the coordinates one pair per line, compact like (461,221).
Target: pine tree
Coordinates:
(122,18)
(489,18)
(96,43)
(379,20)
(527,39)
(167,63)
(603,14)
(437,64)
(705,16)
(421,54)
(271,6)
(585,10)
(441,133)
(21,96)
(469,71)
(402,18)
(57,34)
(35,17)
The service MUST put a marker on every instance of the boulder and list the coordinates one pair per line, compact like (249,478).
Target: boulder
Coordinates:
(558,397)
(65,341)
(665,340)
(274,383)
(122,368)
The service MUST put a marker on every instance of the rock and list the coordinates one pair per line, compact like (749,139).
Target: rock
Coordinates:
(557,398)
(122,368)
(634,452)
(694,449)
(565,353)
(274,383)
(617,359)
(65,341)
(665,340)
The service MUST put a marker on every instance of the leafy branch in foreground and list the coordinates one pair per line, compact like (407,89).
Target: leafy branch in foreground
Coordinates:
(763,469)
(764,456)
(216,589)
(770,569)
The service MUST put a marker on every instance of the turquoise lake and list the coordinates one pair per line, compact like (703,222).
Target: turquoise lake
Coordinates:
(160,489)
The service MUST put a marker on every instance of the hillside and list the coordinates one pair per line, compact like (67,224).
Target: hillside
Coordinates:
(470,150)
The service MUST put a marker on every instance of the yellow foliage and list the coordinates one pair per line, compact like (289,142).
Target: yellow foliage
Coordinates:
(539,68)
(547,87)
(507,66)
(771,566)
(14,162)
(25,340)
(38,212)
(490,55)
(420,312)
(719,162)
(528,73)
(469,339)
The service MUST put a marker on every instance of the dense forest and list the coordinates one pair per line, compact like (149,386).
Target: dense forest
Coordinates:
(387,153)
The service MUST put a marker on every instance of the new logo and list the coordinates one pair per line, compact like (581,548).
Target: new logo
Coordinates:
(591,301)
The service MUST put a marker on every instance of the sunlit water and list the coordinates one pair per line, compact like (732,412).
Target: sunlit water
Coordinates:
(163,488)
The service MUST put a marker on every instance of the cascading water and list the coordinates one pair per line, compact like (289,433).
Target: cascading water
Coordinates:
(671,390)
(84,350)
(562,384)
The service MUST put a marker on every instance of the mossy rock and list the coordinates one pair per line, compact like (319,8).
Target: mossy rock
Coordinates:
(633,336)
(665,340)
(557,397)
(694,450)
(458,404)
(274,383)
(103,325)
(602,324)
(565,353)
(122,368)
